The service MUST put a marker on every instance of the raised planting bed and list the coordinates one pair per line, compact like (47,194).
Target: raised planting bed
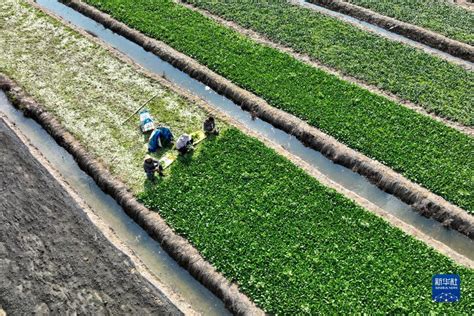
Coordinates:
(292,244)
(416,33)
(439,16)
(438,86)
(425,151)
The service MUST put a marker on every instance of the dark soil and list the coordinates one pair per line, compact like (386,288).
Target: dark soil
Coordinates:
(52,257)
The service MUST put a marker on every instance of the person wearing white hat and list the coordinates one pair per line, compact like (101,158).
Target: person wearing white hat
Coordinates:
(184,144)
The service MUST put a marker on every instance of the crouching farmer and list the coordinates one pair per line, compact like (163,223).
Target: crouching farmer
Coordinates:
(151,166)
(160,137)
(209,126)
(184,144)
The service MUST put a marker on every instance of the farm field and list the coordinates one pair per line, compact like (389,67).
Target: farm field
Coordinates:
(428,81)
(439,16)
(411,74)
(59,74)
(293,245)
(425,151)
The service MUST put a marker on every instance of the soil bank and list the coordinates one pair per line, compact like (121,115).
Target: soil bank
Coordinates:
(422,200)
(416,33)
(52,257)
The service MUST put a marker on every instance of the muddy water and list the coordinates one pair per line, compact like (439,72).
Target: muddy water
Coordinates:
(387,34)
(148,250)
(343,176)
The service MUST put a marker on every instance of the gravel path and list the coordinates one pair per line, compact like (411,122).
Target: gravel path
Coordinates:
(52,258)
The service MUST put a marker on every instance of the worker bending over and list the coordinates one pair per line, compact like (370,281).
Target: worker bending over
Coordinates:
(160,137)
(209,126)
(184,144)
(151,166)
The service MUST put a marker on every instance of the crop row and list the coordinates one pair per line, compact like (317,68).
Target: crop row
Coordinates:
(425,151)
(439,16)
(293,245)
(437,85)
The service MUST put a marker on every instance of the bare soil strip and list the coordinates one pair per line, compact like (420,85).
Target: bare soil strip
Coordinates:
(262,39)
(56,255)
(421,199)
(413,32)
(178,247)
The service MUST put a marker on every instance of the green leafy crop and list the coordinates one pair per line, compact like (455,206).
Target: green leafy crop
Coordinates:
(437,85)
(425,151)
(437,15)
(291,244)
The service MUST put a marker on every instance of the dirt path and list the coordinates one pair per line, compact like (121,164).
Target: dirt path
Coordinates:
(53,259)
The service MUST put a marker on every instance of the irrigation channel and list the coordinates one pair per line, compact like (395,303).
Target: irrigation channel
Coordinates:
(385,33)
(341,175)
(147,249)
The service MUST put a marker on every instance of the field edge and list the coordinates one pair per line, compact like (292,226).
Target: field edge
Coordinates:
(422,200)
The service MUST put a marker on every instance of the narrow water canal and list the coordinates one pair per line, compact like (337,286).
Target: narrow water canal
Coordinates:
(385,33)
(339,174)
(148,250)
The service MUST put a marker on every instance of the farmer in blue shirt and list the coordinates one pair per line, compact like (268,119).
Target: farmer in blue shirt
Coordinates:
(160,137)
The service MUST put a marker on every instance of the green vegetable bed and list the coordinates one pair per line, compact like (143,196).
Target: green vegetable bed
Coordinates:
(437,15)
(425,151)
(293,245)
(437,85)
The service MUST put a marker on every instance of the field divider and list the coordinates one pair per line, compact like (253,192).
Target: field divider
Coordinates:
(314,172)
(416,33)
(262,39)
(178,247)
(422,200)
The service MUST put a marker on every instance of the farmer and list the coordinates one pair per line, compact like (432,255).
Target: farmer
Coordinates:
(160,137)
(209,126)
(151,166)
(184,144)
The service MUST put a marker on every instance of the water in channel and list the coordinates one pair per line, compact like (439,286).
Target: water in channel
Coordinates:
(339,174)
(386,33)
(148,250)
